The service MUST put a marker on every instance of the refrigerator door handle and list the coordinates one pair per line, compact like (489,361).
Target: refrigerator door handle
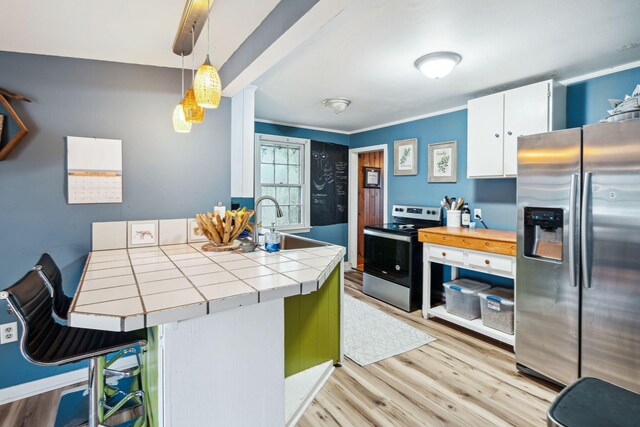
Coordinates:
(572,230)
(584,225)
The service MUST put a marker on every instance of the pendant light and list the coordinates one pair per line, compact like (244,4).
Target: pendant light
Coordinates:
(193,113)
(179,123)
(206,84)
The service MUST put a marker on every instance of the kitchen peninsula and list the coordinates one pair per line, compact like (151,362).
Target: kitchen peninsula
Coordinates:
(223,328)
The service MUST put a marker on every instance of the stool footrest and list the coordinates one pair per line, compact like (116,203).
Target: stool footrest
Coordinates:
(116,408)
(124,373)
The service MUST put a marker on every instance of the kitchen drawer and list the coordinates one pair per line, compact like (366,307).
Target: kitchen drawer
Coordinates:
(491,262)
(446,253)
(468,242)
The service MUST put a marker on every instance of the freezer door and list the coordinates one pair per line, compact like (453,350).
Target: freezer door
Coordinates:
(547,278)
(611,263)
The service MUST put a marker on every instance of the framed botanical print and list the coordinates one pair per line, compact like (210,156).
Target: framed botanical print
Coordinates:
(405,155)
(371,177)
(443,162)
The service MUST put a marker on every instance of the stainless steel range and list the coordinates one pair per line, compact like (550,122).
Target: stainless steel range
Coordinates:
(393,257)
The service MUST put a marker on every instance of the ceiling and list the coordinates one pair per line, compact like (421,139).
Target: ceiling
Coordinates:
(136,32)
(366,54)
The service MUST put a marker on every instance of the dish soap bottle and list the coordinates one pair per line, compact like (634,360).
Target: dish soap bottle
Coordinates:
(272,239)
(466,215)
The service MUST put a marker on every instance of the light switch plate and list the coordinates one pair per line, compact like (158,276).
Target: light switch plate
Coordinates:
(8,332)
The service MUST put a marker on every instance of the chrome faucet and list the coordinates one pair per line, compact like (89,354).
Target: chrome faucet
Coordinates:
(278,214)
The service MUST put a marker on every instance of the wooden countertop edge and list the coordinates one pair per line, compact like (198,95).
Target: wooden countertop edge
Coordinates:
(480,234)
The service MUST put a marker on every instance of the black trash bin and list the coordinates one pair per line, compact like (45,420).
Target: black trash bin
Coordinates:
(594,403)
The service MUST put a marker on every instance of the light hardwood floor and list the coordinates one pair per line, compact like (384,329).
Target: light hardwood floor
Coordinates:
(41,411)
(461,379)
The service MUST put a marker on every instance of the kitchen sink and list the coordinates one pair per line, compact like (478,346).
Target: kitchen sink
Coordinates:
(288,241)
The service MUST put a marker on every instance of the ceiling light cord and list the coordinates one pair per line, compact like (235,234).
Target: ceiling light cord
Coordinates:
(193,55)
(208,27)
(182,73)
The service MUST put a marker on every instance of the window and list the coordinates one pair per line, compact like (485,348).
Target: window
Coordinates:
(282,171)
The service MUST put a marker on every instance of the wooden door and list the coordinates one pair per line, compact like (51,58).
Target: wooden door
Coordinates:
(370,200)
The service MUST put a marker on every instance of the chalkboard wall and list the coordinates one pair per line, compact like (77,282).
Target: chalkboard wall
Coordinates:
(329,183)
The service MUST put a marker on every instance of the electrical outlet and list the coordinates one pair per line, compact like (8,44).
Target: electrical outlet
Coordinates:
(477,213)
(8,332)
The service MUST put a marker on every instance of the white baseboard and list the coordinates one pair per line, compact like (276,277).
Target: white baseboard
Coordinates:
(324,376)
(32,388)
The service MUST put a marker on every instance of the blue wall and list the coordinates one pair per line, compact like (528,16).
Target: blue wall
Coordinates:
(337,233)
(496,197)
(166,175)
(586,104)
(587,101)
(134,103)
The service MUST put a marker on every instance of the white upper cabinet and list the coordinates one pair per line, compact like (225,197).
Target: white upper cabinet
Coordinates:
(484,141)
(496,121)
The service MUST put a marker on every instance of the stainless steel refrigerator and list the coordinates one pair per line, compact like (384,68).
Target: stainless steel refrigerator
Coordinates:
(578,255)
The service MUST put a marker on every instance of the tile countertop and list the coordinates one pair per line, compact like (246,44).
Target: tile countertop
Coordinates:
(128,289)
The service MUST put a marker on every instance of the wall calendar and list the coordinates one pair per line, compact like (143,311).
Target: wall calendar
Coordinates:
(94,170)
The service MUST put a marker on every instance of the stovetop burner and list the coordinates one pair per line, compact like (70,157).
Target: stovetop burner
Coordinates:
(408,219)
(409,229)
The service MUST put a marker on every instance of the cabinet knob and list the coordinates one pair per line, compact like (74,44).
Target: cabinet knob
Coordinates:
(509,133)
(444,254)
(497,135)
(486,261)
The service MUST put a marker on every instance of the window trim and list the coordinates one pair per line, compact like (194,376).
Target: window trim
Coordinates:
(305,177)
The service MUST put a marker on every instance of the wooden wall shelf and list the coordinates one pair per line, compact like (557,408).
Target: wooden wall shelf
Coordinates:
(13,141)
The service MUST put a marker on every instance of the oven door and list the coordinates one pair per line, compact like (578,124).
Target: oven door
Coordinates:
(388,256)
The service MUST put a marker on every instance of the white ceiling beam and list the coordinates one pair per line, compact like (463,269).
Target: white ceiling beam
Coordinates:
(250,61)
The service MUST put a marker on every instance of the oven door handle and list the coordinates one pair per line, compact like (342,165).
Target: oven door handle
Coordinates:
(387,235)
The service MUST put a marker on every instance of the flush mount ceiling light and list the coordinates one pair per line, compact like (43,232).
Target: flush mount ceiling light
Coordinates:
(337,105)
(437,65)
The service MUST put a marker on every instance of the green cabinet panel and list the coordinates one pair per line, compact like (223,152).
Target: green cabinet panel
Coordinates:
(292,335)
(312,327)
(150,376)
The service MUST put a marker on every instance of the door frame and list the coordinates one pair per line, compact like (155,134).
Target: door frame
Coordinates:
(352,250)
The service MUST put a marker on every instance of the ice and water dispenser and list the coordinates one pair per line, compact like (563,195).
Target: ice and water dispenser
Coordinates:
(543,228)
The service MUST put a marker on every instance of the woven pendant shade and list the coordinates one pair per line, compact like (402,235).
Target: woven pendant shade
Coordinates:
(192,112)
(207,86)
(179,122)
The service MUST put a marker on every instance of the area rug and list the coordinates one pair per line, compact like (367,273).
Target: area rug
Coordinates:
(371,335)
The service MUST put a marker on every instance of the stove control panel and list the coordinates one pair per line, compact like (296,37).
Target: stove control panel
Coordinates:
(424,213)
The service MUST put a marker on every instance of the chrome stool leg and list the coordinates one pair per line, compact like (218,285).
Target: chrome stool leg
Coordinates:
(96,384)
